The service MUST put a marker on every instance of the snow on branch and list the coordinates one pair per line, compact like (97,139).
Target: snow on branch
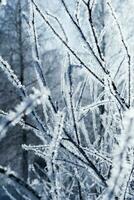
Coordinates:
(24,108)
(11,75)
(64,42)
(116,94)
(122,160)
(13,177)
(126,50)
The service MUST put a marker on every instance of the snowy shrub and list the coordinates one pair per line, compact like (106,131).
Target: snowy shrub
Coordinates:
(86,131)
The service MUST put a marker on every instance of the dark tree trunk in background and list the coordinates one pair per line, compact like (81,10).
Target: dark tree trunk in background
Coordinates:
(22,68)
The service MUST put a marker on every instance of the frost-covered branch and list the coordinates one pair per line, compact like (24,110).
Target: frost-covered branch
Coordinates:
(126,49)
(90,19)
(64,42)
(116,94)
(24,108)
(123,161)
(12,176)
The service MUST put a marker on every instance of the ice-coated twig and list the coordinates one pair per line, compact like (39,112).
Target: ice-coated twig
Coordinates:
(22,109)
(126,49)
(90,19)
(81,93)
(20,88)
(123,160)
(119,68)
(71,100)
(95,171)
(59,23)
(82,35)
(12,76)
(57,137)
(8,193)
(64,42)
(78,3)
(36,48)
(116,94)
(86,109)
(36,55)
(11,175)
(128,182)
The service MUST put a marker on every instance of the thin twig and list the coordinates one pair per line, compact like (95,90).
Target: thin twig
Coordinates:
(13,177)
(116,94)
(90,19)
(127,52)
(37,55)
(64,42)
